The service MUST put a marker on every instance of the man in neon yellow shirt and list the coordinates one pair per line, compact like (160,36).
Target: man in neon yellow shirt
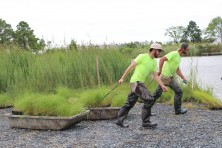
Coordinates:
(144,64)
(168,67)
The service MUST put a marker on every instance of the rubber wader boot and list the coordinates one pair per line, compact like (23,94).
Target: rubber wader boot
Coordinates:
(121,116)
(180,111)
(146,113)
(177,106)
(153,114)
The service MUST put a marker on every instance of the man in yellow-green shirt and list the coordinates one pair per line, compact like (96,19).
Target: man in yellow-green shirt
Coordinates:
(168,67)
(144,64)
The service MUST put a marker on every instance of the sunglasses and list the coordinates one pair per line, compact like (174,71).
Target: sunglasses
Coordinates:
(159,50)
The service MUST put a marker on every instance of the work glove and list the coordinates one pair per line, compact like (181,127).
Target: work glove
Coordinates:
(185,82)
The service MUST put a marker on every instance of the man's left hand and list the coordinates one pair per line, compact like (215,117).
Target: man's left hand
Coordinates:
(185,82)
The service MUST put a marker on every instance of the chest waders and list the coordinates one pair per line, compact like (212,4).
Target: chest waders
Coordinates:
(171,82)
(138,90)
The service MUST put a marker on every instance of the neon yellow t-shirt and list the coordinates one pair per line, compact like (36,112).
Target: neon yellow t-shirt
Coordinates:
(171,65)
(145,66)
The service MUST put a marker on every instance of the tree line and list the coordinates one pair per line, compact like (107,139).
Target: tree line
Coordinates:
(192,33)
(25,38)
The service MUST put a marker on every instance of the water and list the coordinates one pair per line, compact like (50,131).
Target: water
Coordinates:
(209,71)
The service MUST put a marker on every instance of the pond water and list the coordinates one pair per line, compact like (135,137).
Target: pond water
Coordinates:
(209,71)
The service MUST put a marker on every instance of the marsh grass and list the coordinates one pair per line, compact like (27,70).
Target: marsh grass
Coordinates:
(96,97)
(74,69)
(120,95)
(210,102)
(47,105)
(5,101)
(46,74)
(64,102)
(67,93)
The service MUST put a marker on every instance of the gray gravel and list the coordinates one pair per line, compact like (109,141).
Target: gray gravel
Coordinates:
(197,129)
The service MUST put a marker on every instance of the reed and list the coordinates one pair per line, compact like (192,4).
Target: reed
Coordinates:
(74,69)
(23,71)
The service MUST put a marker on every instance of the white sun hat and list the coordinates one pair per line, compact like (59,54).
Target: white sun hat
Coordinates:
(156,46)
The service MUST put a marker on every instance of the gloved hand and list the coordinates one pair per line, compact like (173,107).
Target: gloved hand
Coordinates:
(185,82)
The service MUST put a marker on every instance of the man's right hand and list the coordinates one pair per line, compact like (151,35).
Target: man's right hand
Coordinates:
(120,81)
(164,88)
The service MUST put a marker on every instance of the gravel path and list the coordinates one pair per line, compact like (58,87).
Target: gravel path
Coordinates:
(197,128)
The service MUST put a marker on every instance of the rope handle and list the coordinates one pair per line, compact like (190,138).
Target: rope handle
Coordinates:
(97,103)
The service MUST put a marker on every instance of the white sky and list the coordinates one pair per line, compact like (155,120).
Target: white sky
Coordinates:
(107,21)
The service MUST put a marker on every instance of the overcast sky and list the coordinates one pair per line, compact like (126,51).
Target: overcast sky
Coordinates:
(107,21)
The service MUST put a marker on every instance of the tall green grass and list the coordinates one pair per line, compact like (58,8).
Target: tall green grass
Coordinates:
(74,69)
(48,73)
(22,70)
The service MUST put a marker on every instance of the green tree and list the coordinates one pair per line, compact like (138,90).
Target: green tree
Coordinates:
(25,37)
(214,29)
(73,45)
(192,33)
(175,32)
(41,44)
(6,32)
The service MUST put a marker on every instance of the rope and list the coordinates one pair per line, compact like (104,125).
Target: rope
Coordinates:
(97,103)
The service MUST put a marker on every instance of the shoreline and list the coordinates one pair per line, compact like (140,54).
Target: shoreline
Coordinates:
(211,54)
